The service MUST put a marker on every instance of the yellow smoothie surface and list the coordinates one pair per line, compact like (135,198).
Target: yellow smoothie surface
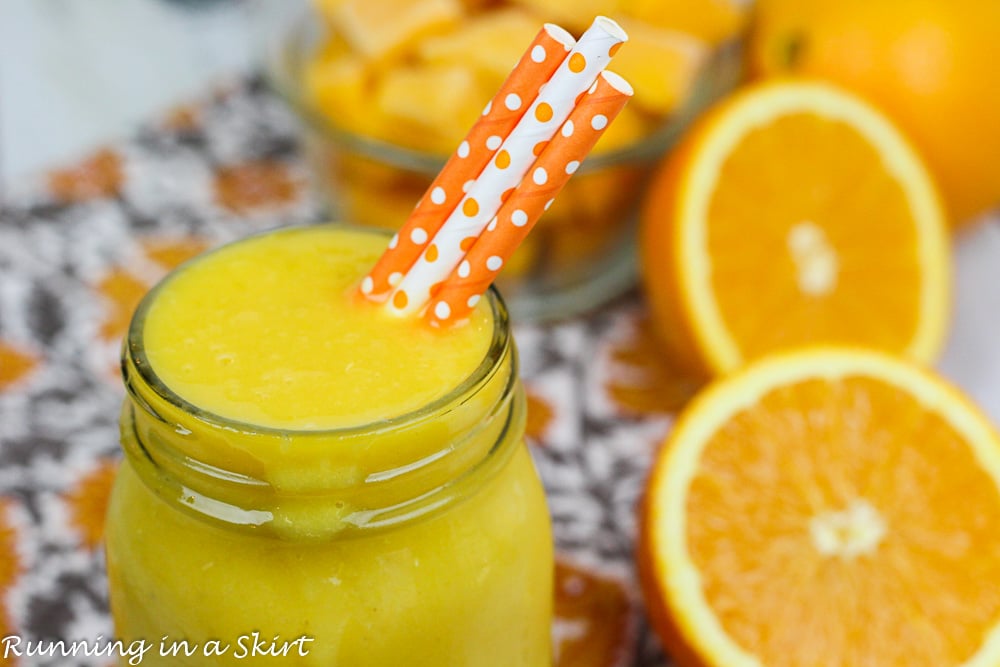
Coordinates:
(269,331)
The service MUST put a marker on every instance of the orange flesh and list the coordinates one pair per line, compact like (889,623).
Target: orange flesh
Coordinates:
(925,595)
(832,178)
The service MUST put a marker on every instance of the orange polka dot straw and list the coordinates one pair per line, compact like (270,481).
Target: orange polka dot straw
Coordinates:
(515,156)
(558,161)
(501,114)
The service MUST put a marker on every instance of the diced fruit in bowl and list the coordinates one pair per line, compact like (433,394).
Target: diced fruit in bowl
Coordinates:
(426,42)
(391,87)
(442,58)
(379,29)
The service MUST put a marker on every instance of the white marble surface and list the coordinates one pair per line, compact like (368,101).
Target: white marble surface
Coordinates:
(972,357)
(78,73)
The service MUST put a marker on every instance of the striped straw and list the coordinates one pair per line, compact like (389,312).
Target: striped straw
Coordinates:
(559,160)
(501,114)
(555,101)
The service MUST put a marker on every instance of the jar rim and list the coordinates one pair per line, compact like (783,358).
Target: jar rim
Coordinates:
(134,357)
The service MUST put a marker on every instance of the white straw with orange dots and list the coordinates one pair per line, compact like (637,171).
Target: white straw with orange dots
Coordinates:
(556,99)
(544,55)
(559,160)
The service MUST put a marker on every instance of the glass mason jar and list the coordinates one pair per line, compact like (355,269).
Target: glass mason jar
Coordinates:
(420,540)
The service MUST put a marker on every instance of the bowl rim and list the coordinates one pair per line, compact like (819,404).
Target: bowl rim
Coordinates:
(718,75)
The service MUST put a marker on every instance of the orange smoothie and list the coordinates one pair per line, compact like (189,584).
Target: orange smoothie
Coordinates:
(350,486)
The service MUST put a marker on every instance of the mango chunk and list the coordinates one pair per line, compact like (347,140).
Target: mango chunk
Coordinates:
(340,88)
(660,64)
(379,29)
(710,20)
(491,43)
(433,106)
(574,15)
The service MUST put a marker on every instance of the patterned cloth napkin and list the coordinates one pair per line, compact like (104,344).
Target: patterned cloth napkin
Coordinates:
(79,247)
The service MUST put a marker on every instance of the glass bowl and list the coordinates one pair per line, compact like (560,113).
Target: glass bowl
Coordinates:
(581,253)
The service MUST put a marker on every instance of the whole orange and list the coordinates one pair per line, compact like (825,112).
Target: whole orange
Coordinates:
(932,65)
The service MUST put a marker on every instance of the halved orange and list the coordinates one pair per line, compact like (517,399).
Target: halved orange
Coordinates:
(794,213)
(829,506)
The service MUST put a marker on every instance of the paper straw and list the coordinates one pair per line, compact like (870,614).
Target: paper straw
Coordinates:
(525,142)
(559,160)
(501,114)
